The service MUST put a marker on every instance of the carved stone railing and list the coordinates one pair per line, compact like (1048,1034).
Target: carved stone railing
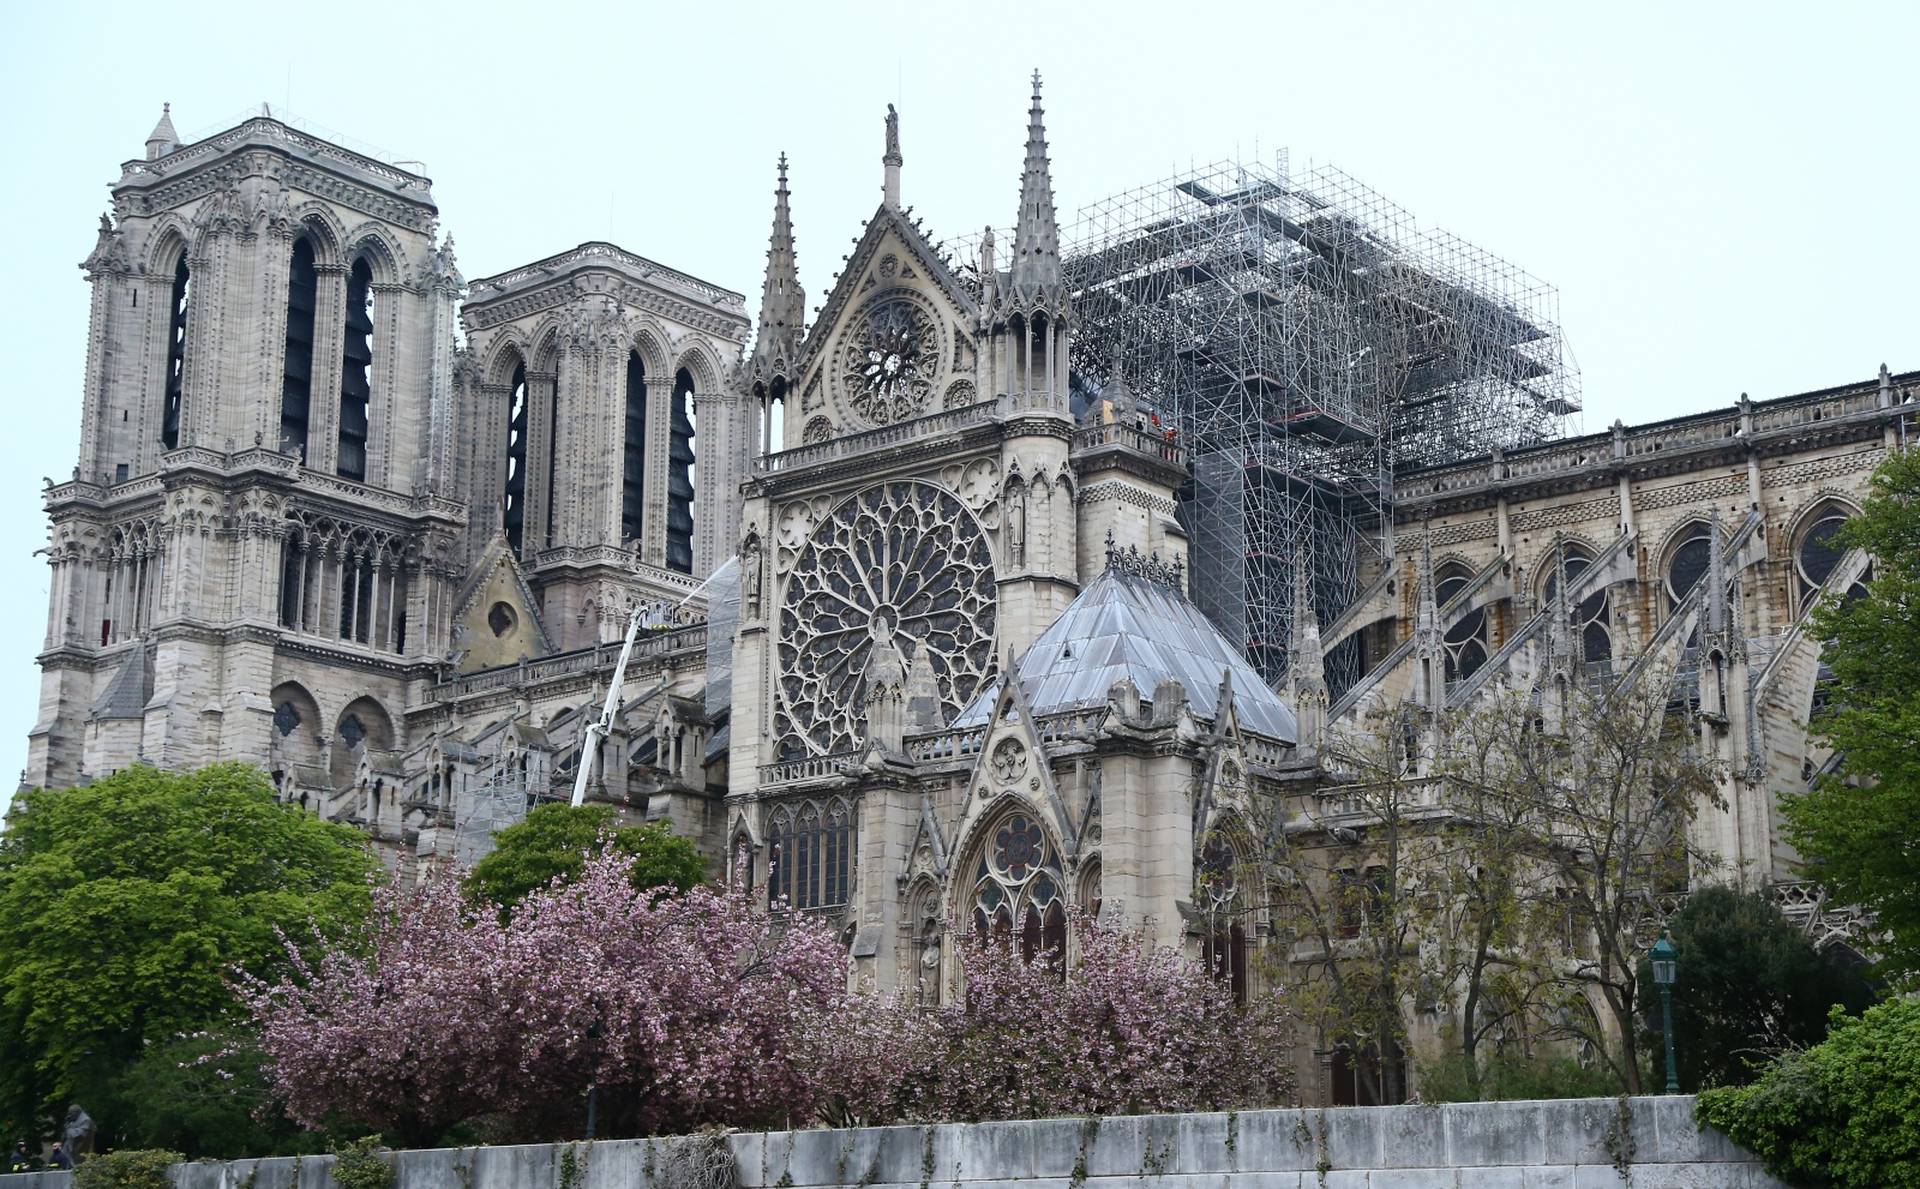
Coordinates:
(1642,443)
(1129,437)
(1792,416)
(656,647)
(887,435)
(945,747)
(598,252)
(808,768)
(1265,752)
(272,129)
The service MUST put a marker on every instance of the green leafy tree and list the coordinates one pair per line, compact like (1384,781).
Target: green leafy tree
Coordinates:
(1750,987)
(205,1094)
(554,841)
(1845,1112)
(1859,830)
(126,905)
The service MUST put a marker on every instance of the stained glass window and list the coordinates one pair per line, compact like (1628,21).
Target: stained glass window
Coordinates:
(1019,890)
(810,860)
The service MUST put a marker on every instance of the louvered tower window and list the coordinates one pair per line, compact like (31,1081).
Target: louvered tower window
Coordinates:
(176,355)
(296,384)
(356,371)
(681,476)
(633,492)
(514,498)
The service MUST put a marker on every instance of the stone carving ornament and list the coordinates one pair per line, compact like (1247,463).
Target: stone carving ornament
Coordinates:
(892,355)
(901,563)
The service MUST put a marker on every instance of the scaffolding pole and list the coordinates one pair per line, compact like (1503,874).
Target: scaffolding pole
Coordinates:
(1308,340)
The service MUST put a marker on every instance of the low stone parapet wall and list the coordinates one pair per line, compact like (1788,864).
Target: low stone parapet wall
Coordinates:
(1588,1143)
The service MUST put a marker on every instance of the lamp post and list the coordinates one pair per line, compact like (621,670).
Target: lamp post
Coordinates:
(1666,968)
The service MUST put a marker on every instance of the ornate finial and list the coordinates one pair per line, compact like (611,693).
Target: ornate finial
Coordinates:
(1036,82)
(1135,564)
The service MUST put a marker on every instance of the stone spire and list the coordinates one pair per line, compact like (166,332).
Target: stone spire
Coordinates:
(892,160)
(782,302)
(1036,236)
(163,139)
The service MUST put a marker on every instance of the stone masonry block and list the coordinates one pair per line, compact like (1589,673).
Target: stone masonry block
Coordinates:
(1577,1130)
(1354,1134)
(1413,1138)
(1276,1140)
(1479,1133)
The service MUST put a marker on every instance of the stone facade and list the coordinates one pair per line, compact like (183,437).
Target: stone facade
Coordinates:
(914,650)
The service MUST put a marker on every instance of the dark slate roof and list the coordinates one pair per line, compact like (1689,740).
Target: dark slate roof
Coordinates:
(1126,626)
(127,694)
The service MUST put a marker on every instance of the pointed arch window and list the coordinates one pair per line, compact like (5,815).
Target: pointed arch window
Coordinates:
(633,485)
(1593,618)
(513,501)
(176,354)
(810,855)
(553,457)
(296,373)
(1465,642)
(1688,563)
(1018,891)
(1223,947)
(1819,553)
(356,371)
(681,475)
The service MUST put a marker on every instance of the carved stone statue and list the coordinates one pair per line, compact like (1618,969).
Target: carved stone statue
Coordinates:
(750,577)
(1017,522)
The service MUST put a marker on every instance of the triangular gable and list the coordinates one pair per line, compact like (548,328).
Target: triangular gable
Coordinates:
(888,227)
(1013,765)
(485,639)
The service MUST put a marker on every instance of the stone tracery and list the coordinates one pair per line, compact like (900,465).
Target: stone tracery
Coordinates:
(901,562)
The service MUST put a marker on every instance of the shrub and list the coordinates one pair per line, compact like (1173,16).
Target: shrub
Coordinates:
(1844,1113)
(130,1168)
(363,1164)
(1515,1077)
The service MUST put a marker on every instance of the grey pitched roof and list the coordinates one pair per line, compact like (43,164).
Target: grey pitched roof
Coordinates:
(1126,626)
(126,696)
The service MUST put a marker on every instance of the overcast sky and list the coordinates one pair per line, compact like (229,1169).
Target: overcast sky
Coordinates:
(1724,194)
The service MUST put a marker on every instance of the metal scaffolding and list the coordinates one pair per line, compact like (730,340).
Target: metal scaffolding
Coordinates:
(1307,340)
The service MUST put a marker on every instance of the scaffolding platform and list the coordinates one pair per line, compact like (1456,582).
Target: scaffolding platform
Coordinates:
(1309,339)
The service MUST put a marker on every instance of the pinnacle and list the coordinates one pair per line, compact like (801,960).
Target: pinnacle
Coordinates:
(1036,237)
(163,138)
(782,301)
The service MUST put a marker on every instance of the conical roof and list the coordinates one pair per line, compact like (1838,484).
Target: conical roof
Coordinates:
(1125,626)
(163,139)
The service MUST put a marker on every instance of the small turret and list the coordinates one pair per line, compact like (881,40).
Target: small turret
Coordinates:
(163,139)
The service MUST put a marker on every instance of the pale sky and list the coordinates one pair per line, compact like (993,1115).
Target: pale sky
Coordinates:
(1724,194)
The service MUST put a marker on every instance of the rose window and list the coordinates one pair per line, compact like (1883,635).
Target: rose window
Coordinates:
(890,364)
(903,563)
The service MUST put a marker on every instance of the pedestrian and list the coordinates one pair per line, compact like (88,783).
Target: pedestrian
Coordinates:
(19,1161)
(58,1158)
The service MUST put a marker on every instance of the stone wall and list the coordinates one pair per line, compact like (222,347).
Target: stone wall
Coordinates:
(1570,1144)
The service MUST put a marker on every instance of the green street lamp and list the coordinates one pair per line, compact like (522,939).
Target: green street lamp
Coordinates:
(1666,969)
